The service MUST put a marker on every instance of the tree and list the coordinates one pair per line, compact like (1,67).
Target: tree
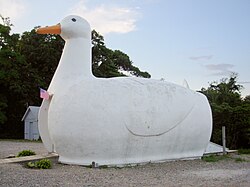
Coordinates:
(108,63)
(229,110)
(247,99)
(42,54)
(227,91)
(13,68)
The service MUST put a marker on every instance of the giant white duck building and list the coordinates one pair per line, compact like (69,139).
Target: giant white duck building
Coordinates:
(86,120)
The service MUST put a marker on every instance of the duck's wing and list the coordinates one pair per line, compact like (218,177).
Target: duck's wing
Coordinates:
(43,125)
(155,107)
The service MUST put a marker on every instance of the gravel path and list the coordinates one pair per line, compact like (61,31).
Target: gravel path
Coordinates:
(176,173)
(14,147)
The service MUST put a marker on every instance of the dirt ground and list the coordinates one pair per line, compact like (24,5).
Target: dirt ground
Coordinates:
(233,171)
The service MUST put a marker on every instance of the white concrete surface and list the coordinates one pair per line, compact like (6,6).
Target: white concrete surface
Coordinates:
(118,121)
(214,148)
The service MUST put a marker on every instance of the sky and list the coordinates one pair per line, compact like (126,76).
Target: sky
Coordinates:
(200,41)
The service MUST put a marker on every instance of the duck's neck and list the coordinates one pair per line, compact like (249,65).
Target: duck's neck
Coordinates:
(75,63)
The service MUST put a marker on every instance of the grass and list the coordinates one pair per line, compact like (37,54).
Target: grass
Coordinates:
(244,151)
(214,158)
(240,160)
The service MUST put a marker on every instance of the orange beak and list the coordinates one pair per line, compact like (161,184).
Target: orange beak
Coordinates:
(56,29)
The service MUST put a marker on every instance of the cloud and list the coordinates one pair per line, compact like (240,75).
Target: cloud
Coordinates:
(221,69)
(107,18)
(205,57)
(14,9)
(244,82)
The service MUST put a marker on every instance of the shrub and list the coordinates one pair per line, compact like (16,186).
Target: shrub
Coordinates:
(26,153)
(43,164)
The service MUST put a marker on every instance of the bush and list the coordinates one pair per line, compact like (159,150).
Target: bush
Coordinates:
(43,164)
(26,153)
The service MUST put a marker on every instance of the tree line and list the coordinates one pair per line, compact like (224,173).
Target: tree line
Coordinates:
(28,61)
(229,109)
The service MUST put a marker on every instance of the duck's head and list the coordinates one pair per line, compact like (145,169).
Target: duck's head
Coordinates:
(70,27)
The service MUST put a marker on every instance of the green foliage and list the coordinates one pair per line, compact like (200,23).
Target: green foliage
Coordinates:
(214,158)
(107,63)
(247,99)
(244,151)
(31,165)
(41,164)
(231,111)
(3,106)
(13,73)
(227,91)
(26,153)
(240,160)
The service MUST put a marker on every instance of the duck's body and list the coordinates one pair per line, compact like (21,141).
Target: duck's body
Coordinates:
(120,121)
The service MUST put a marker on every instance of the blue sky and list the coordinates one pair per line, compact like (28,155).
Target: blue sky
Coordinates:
(198,40)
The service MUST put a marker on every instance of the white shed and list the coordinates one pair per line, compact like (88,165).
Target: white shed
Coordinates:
(30,119)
